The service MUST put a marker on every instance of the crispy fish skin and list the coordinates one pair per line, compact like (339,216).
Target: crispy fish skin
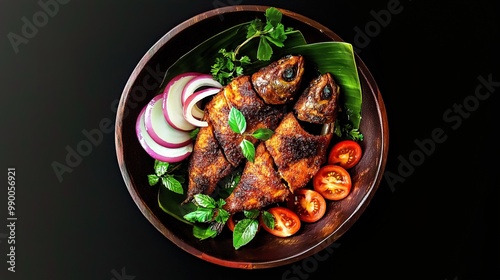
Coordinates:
(207,165)
(319,102)
(278,82)
(239,94)
(260,184)
(297,154)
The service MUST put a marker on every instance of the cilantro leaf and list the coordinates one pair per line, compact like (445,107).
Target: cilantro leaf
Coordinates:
(273,16)
(272,32)
(265,51)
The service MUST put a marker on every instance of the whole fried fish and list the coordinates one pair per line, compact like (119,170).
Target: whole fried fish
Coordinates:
(217,150)
(278,82)
(319,103)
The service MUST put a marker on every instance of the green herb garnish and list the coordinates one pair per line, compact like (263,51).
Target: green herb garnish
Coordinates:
(164,174)
(209,216)
(238,124)
(271,33)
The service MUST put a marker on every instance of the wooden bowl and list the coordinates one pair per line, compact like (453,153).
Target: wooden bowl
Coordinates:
(264,250)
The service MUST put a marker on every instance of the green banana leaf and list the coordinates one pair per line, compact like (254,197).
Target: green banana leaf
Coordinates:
(202,57)
(333,56)
(338,59)
(171,203)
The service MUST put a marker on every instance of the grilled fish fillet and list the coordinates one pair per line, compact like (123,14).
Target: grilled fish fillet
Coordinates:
(260,184)
(208,165)
(297,154)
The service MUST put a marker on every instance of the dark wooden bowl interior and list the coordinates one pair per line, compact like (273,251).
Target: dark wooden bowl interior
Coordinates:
(265,250)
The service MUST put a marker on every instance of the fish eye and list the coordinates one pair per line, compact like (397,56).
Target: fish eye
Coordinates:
(326,93)
(289,74)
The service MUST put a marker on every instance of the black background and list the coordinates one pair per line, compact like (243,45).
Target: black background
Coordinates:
(438,222)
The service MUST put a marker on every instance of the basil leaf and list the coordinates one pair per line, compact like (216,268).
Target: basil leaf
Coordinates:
(222,216)
(203,232)
(263,133)
(172,184)
(201,215)
(251,214)
(244,231)
(237,121)
(161,167)
(248,150)
(204,200)
(153,179)
(268,219)
(193,133)
(219,203)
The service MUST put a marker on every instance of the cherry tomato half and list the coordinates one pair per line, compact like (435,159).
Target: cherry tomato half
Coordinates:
(308,204)
(333,182)
(346,153)
(286,222)
(231,222)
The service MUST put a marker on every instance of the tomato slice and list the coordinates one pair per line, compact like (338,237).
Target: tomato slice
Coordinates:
(333,182)
(308,204)
(346,153)
(231,222)
(286,222)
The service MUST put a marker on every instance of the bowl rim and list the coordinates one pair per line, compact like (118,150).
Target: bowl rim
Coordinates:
(149,213)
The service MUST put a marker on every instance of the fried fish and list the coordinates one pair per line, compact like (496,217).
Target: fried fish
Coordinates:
(290,158)
(217,150)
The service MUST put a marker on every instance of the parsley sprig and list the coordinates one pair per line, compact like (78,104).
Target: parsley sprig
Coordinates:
(271,33)
(238,124)
(164,174)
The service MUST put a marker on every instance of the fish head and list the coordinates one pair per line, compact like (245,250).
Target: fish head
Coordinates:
(278,82)
(318,103)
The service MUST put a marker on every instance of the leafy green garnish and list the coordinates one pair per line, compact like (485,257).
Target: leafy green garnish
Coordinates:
(248,150)
(268,219)
(163,174)
(209,216)
(237,121)
(271,33)
(246,229)
(238,124)
(208,209)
